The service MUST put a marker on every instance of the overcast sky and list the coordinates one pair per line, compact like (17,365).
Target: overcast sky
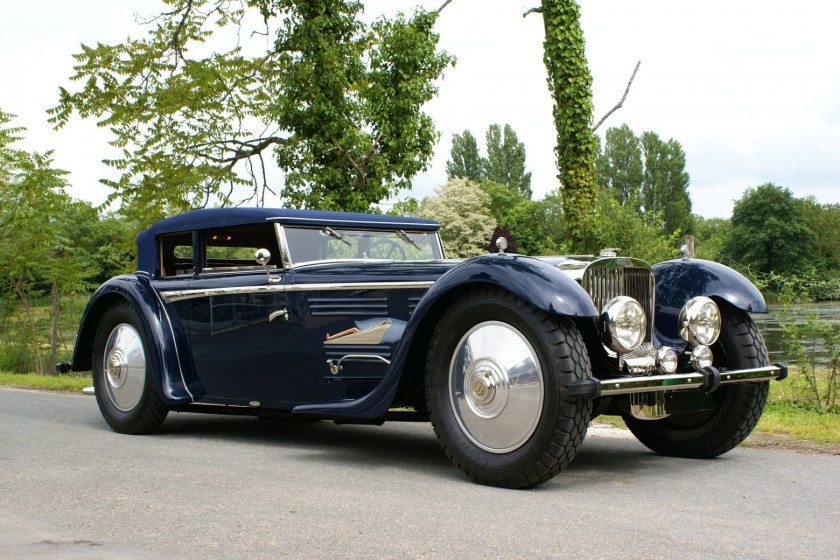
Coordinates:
(751,89)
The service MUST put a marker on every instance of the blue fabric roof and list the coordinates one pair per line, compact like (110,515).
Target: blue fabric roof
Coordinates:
(226,217)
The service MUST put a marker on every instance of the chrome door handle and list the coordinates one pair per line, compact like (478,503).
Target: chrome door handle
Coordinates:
(279,313)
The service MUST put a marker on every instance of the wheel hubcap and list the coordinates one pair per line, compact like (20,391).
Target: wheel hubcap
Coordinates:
(496,387)
(124,364)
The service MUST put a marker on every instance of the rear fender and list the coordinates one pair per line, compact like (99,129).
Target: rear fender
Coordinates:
(164,333)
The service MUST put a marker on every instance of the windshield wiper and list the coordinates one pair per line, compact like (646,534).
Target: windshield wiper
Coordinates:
(335,235)
(405,237)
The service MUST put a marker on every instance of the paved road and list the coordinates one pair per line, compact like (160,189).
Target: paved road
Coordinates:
(222,487)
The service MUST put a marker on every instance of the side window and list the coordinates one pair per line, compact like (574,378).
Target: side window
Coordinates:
(176,254)
(230,249)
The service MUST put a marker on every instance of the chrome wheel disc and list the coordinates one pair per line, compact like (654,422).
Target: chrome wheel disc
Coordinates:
(496,387)
(124,364)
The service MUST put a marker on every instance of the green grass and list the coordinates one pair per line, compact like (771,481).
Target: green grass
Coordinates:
(801,421)
(47,382)
(805,422)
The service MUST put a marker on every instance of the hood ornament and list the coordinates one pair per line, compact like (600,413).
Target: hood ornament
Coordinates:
(502,244)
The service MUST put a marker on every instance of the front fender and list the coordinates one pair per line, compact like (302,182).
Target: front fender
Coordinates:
(533,280)
(677,281)
(163,332)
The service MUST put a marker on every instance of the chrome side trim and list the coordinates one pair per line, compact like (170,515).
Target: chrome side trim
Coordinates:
(178,295)
(683,381)
(285,257)
(335,367)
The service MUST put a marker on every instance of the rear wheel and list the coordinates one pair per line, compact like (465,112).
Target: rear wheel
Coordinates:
(122,374)
(737,407)
(496,372)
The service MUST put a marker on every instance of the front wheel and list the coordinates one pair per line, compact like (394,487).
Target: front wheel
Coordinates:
(122,375)
(737,407)
(497,370)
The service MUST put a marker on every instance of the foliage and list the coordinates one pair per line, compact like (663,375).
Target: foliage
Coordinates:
(466,162)
(803,330)
(106,243)
(35,256)
(648,175)
(824,221)
(665,186)
(337,101)
(505,163)
(710,237)
(407,207)
(570,84)
(621,227)
(465,224)
(770,232)
(619,167)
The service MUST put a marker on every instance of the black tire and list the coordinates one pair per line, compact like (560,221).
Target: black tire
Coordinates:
(117,401)
(703,435)
(558,426)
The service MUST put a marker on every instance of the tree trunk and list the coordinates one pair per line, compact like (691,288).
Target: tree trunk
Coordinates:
(571,87)
(36,354)
(53,328)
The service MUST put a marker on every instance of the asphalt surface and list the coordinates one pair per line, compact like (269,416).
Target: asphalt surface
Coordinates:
(226,487)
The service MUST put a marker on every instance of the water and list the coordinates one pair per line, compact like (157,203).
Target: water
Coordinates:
(770,328)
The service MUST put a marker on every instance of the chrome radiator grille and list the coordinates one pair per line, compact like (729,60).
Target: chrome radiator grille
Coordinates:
(603,283)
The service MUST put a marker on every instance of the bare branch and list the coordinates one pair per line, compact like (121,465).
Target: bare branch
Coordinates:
(243,150)
(176,36)
(532,11)
(620,103)
(445,4)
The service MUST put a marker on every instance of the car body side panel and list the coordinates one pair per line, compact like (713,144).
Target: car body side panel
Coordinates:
(534,281)
(163,331)
(677,281)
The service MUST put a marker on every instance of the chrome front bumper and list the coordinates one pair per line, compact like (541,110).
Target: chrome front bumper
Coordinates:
(708,379)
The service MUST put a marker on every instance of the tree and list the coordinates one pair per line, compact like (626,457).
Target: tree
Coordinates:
(648,175)
(34,257)
(619,167)
(466,162)
(505,163)
(501,200)
(711,235)
(824,221)
(770,232)
(106,242)
(338,103)
(570,83)
(461,208)
(619,226)
(665,187)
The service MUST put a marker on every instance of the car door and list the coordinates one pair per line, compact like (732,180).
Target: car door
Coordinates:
(244,342)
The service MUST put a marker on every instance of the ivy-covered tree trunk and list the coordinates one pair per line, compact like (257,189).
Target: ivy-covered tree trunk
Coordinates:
(570,84)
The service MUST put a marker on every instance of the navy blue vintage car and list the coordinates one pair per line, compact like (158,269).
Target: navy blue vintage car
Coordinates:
(361,319)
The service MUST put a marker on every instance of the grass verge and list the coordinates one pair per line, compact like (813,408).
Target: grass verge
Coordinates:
(69,383)
(786,425)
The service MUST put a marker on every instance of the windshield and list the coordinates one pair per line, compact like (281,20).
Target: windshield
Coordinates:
(326,244)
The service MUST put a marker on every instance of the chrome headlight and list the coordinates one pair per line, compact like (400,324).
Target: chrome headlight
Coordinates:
(700,321)
(667,360)
(701,357)
(623,324)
